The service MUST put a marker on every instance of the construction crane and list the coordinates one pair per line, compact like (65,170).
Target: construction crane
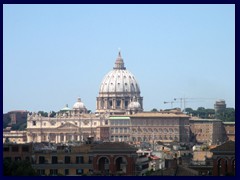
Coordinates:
(183,101)
(165,102)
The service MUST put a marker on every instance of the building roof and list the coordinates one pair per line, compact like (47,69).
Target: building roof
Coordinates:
(229,123)
(159,114)
(205,120)
(118,117)
(228,147)
(108,147)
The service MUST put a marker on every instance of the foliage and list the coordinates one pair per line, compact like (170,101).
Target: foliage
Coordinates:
(18,168)
(44,114)
(227,116)
(154,110)
(6,121)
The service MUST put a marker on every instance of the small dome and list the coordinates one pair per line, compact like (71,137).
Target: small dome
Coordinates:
(134,105)
(79,104)
(66,108)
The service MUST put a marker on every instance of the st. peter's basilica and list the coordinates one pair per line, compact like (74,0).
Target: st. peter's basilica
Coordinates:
(119,116)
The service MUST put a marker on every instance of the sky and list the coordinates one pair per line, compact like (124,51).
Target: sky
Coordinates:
(53,54)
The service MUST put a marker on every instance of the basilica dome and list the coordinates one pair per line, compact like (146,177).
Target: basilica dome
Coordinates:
(117,89)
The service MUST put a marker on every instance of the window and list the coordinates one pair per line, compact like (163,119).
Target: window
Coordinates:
(41,159)
(41,172)
(25,149)
(67,159)
(79,159)
(79,171)
(66,172)
(34,123)
(126,104)
(110,103)
(54,159)
(118,103)
(14,148)
(53,172)
(6,149)
(90,159)
(106,122)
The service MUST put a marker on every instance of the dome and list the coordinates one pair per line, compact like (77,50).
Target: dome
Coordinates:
(79,105)
(117,89)
(66,108)
(134,105)
(119,80)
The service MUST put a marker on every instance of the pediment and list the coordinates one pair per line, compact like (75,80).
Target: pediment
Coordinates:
(68,126)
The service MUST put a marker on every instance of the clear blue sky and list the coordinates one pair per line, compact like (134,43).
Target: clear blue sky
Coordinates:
(54,53)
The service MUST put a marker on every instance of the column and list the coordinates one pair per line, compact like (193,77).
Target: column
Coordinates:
(122,104)
(64,138)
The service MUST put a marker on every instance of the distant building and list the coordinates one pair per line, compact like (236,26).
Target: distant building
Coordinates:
(107,158)
(19,137)
(220,107)
(209,131)
(16,152)
(17,116)
(230,130)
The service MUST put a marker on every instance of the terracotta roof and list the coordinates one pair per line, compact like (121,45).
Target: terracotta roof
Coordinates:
(229,147)
(114,146)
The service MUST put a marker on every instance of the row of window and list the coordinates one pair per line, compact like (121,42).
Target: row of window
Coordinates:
(119,122)
(165,130)
(54,172)
(154,122)
(120,130)
(67,160)
(16,149)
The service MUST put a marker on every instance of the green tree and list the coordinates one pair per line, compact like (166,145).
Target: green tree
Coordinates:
(17,168)
(53,114)
(44,114)
(154,110)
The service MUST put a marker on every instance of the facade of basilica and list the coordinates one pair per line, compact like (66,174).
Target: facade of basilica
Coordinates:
(119,116)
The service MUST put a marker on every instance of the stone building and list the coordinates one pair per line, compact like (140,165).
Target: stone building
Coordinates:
(68,125)
(19,137)
(119,116)
(209,131)
(230,130)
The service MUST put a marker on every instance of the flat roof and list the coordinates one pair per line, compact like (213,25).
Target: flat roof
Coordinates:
(119,117)
(159,114)
(228,122)
(207,120)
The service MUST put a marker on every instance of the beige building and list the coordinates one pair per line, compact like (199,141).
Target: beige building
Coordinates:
(230,130)
(119,116)
(19,137)
(208,131)
(66,126)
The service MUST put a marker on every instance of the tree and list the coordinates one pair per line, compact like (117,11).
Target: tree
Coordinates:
(53,114)
(18,168)
(44,114)
(154,110)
